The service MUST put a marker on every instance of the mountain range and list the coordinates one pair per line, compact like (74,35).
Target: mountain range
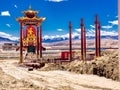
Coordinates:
(77,38)
(2,39)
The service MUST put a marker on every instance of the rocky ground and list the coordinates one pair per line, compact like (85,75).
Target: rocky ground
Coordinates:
(105,66)
(8,82)
(77,75)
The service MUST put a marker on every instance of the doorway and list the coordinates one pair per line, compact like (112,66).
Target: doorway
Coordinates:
(31,49)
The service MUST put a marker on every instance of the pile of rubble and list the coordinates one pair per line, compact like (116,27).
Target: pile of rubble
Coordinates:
(106,66)
(52,66)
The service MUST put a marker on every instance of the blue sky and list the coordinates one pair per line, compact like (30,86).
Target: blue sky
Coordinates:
(58,13)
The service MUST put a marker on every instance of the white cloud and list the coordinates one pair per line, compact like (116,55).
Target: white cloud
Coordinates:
(109,33)
(115,22)
(90,32)
(107,27)
(5,13)
(8,25)
(60,30)
(5,35)
(78,29)
(102,32)
(116,16)
(15,6)
(92,26)
(55,0)
(75,34)
(56,36)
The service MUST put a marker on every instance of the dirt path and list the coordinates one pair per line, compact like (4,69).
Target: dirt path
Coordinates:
(59,80)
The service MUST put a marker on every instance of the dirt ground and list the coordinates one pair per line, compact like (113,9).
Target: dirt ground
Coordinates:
(104,66)
(14,77)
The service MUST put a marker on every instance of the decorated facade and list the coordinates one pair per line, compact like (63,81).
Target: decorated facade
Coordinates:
(30,32)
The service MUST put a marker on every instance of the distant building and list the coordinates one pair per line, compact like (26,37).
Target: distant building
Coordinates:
(9,46)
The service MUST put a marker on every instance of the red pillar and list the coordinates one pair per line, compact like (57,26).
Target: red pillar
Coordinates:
(40,41)
(99,41)
(84,44)
(21,44)
(37,42)
(97,37)
(82,30)
(70,40)
(23,33)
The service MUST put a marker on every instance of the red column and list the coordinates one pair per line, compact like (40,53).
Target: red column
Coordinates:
(21,44)
(23,34)
(82,30)
(40,41)
(84,44)
(97,37)
(37,42)
(70,40)
(99,41)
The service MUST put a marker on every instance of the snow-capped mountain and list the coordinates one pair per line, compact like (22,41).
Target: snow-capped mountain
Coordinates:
(2,39)
(76,38)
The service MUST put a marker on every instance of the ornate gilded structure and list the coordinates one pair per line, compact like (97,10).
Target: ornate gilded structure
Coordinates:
(30,37)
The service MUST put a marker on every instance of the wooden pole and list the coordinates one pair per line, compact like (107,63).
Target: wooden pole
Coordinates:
(40,41)
(119,33)
(70,40)
(21,44)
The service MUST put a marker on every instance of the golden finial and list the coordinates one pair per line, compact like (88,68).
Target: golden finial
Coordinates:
(30,7)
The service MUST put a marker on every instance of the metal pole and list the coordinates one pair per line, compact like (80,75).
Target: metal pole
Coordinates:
(70,40)
(40,41)
(21,44)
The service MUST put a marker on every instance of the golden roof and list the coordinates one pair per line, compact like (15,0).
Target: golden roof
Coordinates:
(30,19)
(30,16)
(30,12)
